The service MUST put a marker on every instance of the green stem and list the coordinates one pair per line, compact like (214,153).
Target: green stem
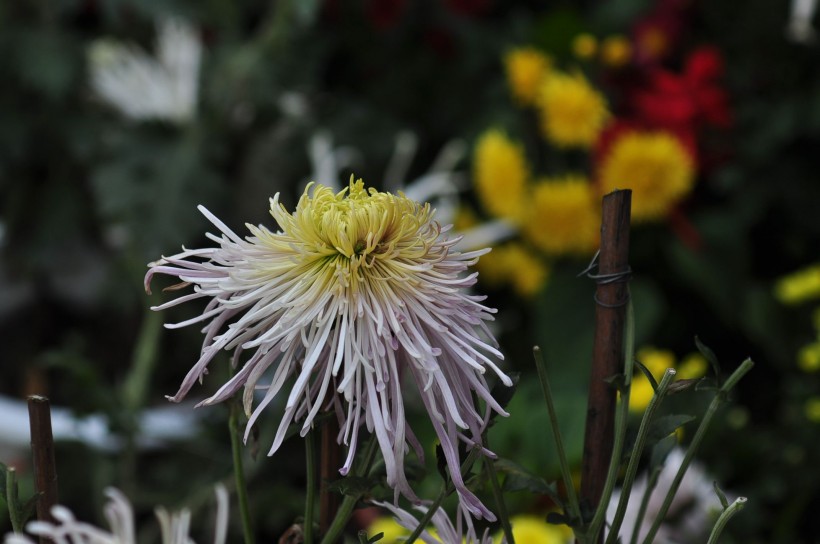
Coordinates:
(349,502)
(142,363)
(239,473)
(719,399)
(575,509)
(621,418)
(724,518)
(428,515)
(12,501)
(310,500)
(503,515)
(637,451)
(647,494)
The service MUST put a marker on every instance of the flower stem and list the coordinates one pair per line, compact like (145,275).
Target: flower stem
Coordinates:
(428,515)
(310,500)
(574,507)
(349,502)
(647,494)
(12,501)
(239,473)
(724,518)
(637,450)
(503,515)
(719,399)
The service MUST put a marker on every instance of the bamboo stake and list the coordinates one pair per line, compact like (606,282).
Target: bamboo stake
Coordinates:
(611,295)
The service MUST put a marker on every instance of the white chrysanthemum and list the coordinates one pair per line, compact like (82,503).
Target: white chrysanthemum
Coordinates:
(357,293)
(120,517)
(143,87)
(440,185)
(463,532)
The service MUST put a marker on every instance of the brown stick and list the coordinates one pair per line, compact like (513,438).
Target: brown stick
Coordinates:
(607,356)
(42,449)
(328,471)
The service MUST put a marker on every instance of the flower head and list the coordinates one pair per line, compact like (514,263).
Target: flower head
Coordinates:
(799,286)
(143,87)
(501,173)
(359,292)
(174,527)
(526,67)
(564,216)
(443,530)
(655,165)
(572,112)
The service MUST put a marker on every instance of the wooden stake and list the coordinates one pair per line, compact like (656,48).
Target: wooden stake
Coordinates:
(42,449)
(607,356)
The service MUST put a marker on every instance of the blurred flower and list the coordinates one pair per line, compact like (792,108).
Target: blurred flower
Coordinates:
(142,87)
(615,51)
(500,172)
(799,28)
(656,362)
(812,409)
(655,35)
(525,68)
(573,113)
(690,514)
(359,290)
(443,530)
(531,529)
(692,366)
(799,286)
(584,46)
(392,530)
(655,165)
(174,527)
(808,357)
(564,216)
(682,102)
(515,264)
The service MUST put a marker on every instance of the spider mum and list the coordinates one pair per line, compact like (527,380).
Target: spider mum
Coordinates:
(358,292)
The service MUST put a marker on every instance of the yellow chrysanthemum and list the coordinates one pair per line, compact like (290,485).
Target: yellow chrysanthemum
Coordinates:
(584,46)
(572,112)
(513,263)
(393,532)
(526,67)
(799,286)
(500,174)
(812,409)
(564,216)
(535,530)
(656,361)
(692,366)
(808,358)
(615,51)
(657,168)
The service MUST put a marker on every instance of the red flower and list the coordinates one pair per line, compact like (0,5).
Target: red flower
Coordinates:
(687,100)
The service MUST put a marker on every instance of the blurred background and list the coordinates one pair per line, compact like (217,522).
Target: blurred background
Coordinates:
(514,117)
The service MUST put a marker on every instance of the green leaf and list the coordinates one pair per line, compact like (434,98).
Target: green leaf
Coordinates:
(709,355)
(519,478)
(661,450)
(555,518)
(352,485)
(721,495)
(680,386)
(618,381)
(364,540)
(27,510)
(666,425)
(648,374)
(3,470)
